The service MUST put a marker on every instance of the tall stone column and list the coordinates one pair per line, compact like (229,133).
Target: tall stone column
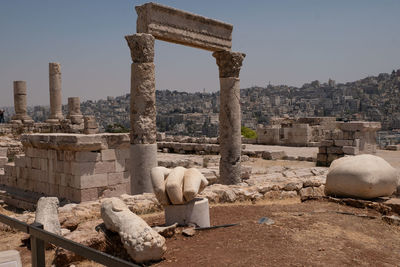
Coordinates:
(143,151)
(20,102)
(55,93)
(230,142)
(74,110)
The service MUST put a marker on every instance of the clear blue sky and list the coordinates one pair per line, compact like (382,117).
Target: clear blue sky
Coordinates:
(286,42)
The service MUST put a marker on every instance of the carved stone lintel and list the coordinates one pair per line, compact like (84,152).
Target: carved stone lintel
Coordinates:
(54,68)
(142,47)
(229,63)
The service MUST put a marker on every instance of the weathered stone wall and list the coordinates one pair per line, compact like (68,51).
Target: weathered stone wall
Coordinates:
(63,126)
(308,131)
(3,156)
(349,138)
(72,166)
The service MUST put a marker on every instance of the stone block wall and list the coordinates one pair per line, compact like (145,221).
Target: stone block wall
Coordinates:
(64,126)
(3,156)
(308,131)
(72,166)
(348,138)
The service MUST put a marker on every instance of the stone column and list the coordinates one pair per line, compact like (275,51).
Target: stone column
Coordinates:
(143,151)
(20,102)
(74,110)
(55,93)
(230,141)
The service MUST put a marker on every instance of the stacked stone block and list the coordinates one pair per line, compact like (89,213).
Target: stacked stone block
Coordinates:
(90,125)
(349,138)
(3,156)
(307,131)
(72,166)
(74,122)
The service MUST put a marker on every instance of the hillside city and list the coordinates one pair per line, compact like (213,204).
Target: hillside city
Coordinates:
(374,98)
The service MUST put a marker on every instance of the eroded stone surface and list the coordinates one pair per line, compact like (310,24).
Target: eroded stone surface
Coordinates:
(55,91)
(363,176)
(143,104)
(177,26)
(229,63)
(20,101)
(142,47)
(47,214)
(178,185)
(139,239)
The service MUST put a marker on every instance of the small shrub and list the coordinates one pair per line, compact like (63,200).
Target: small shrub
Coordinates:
(248,133)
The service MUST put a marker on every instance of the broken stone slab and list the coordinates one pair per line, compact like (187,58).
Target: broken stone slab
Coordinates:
(181,27)
(360,126)
(190,231)
(75,142)
(309,193)
(142,243)
(166,231)
(47,214)
(10,258)
(273,155)
(392,219)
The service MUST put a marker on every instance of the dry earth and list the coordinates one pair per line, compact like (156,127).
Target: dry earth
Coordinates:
(312,233)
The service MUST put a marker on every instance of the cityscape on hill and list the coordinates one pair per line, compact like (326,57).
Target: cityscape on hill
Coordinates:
(374,98)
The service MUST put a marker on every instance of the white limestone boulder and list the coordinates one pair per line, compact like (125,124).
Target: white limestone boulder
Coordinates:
(363,176)
(142,243)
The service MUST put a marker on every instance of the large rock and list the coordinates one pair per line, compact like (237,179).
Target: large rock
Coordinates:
(363,176)
(142,243)
(47,214)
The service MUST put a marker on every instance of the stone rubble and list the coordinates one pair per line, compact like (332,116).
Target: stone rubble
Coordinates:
(349,138)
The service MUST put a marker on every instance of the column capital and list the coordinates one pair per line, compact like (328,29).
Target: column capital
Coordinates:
(229,63)
(142,47)
(54,68)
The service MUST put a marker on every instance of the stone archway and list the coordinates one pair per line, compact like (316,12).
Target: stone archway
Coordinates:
(164,23)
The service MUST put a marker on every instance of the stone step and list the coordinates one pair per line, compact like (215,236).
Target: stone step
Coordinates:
(19,198)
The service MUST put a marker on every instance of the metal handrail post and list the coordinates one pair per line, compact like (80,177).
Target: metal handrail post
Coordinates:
(37,248)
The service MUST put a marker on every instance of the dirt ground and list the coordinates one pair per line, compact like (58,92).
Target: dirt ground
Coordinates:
(312,233)
(304,234)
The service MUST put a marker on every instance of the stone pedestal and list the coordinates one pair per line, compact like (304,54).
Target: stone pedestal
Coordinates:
(74,110)
(55,92)
(195,212)
(229,64)
(143,112)
(20,102)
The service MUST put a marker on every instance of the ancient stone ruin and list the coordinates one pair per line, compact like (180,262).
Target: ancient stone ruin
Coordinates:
(22,123)
(348,138)
(74,167)
(55,93)
(20,103)
(168,24)
(307,131)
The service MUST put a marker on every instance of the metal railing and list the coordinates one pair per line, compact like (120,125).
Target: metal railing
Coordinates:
(39,237)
